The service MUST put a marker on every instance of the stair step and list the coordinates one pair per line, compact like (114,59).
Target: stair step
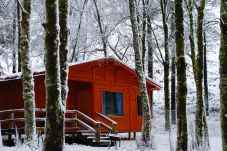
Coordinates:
(101,141)
(93,134)
(101,138)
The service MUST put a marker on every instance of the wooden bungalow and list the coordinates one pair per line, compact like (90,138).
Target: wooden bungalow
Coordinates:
(103,89)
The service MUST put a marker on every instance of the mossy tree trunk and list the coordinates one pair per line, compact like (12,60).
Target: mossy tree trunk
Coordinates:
(205,81)
(182,135)
(28,83)
(144,30)
(191,37)
(140,74)
(64,48)
(173,64)
(54,130)
(18,37)
(166,63)
(150,59)
(223,73)
(200,119)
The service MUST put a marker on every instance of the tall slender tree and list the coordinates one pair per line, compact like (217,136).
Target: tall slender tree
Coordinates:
(150,58)
(18,36)
(182,135)
(201,129)
(223,73)
(205,81)
(54,129)
(101,29)
(173,64)
(64,48)
(140,73)
(200,119)
(166,63)
(28,83)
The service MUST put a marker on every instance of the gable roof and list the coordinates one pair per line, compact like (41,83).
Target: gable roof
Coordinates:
(98,61)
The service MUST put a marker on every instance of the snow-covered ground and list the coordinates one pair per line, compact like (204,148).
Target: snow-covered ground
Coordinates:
(161,139)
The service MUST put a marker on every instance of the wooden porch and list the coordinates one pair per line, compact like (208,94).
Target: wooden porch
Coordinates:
(79,128)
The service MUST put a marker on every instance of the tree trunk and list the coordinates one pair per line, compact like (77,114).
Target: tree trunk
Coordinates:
(166,65)
(182,135)
(150,59)
(18,36)
(223,73)
(64,49)
(102,33)
(14,59)
(54,130)
(144,50)
(191,38)
(173,66)
(200,119)
(28,83)
(140,74)
(206,99)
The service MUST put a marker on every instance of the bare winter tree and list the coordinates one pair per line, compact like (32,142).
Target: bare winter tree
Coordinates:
(182,136)
(140,73)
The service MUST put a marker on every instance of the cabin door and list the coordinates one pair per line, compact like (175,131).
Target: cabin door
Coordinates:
(84,98)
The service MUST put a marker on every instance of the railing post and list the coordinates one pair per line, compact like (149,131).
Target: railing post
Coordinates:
(97,129)
(75,122)
(0,132)
(114,128)
(12,122)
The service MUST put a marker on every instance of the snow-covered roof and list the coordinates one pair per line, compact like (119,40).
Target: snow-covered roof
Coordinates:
(41,71)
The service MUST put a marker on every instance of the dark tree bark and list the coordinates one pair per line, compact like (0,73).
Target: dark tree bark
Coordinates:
(18,36)
(64,48)
(182,134)
(140,74)
(14,58)
(144,30)
(223,73)
(150,59)
(166,64)
(200,119)
(191,37)
(173,65)
(102,32)
(27,75)
(205,83)
(54,130)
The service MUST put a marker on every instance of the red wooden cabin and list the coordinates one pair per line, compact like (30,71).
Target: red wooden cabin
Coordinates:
(107,86)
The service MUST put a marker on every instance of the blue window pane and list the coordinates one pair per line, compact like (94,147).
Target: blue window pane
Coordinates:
(112,103)
(119,97)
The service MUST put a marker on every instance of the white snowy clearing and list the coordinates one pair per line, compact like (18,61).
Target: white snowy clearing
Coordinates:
(161,141)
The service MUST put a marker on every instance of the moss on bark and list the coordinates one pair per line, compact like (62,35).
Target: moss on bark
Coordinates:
(182,135)
(223,73)
(28,83)
(54,138)
(140,74)
(200,119)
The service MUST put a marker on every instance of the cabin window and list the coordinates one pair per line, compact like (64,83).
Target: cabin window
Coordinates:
(112,103)
(139,106)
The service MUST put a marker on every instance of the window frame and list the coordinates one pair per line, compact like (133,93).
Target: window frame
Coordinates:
(122,102)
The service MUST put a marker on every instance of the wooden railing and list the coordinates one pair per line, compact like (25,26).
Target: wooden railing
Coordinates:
(113,127)
(15,118)
(79,118)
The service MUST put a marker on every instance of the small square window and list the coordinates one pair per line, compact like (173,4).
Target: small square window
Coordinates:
(112,103)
